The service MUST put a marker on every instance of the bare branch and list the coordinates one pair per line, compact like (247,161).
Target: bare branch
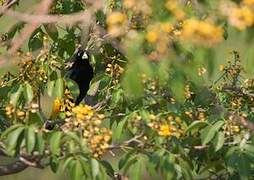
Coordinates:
(237,91)
(29,28)
(12,168)
(7,5)
(46,19)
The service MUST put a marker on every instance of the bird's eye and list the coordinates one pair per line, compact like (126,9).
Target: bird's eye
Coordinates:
(85,56)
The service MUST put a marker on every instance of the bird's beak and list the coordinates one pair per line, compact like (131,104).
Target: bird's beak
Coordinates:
(85,56)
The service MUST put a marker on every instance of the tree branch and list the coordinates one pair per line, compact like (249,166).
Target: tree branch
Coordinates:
(12,168)
(29,28)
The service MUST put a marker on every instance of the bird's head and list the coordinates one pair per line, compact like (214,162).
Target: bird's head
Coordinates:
(82,55)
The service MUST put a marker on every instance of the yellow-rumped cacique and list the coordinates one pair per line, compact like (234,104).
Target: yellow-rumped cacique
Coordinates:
(81,72)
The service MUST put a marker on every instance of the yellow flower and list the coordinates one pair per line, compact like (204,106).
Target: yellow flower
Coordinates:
(167,27)
(164,130)
(57,105)
(248,2)
(201,32)
(83,110)
(129,3)
(241,17)
(221,67)
(115,18)
(116,22)
(152,36)
(201,71)
(176,9)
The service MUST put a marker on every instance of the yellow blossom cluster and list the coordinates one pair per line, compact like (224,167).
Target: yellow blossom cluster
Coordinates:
(201,32)
(176,8)
(248,2)
(14,113)
(198,114)
(2,2)
(187,92)
(89,122)
(201,71)
(158,34)
(170,126)
(230,127)
(115,71)
(67,104)
(240,16)
(141,6)
(117,23)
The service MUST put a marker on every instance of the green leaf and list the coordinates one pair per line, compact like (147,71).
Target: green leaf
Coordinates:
(55,142)
(14,29)
(117,97)
(209,132)
(51,30)
(125,159)
(244,167)
(47,104)
(177,87)
(109,169)
(119,129)
(137,169)
(30,139)
(219,141)
(67,162)
(50,88)
(104,81)
(36,41)
(93,89)
(13,140)
(54,164)
(186,169)
(59,88)
(40,143)
(77,171)
(95,168)
(132,82)
(15,94)
(218,125)
(196,125)
(10,129)
(73,87)
(28,92)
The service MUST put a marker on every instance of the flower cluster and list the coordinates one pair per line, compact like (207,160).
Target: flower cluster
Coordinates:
(88,121)
(176,8)
(195,114)
(14,113)
(67,104)
(141,6)
(230,127)
(187,92)
(201,32)
(115,71)
(240,16)
(170,126)
(117,23)
(156,34)
(2,2)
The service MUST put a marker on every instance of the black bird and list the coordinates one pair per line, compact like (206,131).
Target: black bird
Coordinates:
(81,72)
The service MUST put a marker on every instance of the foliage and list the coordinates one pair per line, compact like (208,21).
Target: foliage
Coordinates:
(159,107)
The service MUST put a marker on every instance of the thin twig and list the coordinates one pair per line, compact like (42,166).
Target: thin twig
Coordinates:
(7,5)
(29,28)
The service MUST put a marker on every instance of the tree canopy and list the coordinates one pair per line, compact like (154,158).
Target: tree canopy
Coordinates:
(171,98)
